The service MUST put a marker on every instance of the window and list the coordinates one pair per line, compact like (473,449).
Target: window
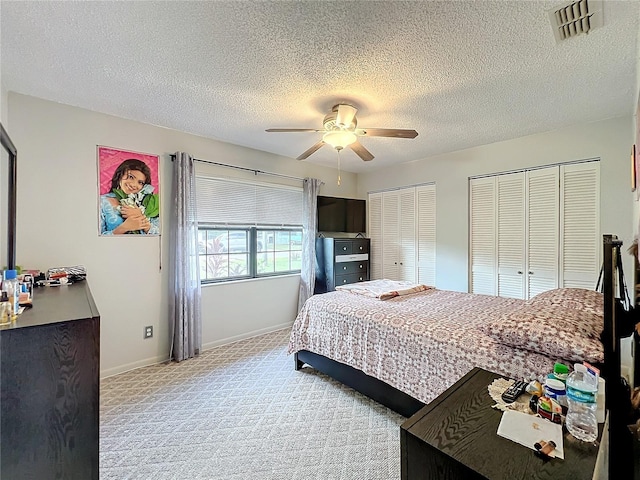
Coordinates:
(247,230)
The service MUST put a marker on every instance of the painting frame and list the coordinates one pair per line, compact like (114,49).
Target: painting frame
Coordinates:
(128,192)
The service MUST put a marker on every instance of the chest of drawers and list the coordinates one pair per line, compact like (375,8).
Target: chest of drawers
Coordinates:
(340,261)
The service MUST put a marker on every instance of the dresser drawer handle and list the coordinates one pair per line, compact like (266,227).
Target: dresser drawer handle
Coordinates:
(344,248)
(360,278)
(344,268)
(360,266)
(344,281)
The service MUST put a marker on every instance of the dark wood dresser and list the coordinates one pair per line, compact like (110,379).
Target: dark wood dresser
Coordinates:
(454,437)
(50,381)
(340,261)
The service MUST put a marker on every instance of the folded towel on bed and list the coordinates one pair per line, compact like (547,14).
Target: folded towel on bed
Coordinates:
(383,289)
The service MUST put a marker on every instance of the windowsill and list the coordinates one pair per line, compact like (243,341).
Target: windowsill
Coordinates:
(245,280)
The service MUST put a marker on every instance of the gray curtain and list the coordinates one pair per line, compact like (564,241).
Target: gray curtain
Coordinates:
(311,186)
(184,284)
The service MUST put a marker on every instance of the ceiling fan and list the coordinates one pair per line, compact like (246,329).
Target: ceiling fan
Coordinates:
(339,130)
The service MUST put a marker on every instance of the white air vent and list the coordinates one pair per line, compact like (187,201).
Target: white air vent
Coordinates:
(576,18)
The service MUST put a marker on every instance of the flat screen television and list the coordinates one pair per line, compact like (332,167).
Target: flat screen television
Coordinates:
(342,215)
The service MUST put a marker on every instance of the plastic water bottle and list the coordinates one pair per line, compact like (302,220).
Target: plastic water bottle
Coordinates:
(582,390)
(12,287)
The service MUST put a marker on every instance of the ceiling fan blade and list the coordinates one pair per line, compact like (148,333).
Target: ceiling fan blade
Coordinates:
(311,150)
(293,130)
(362,152)
(387,132)
(345,115)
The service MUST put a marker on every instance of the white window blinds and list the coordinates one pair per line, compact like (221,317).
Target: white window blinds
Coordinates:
(232,202)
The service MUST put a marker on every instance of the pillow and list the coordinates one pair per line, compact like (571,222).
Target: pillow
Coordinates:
(574,298)
(557,332)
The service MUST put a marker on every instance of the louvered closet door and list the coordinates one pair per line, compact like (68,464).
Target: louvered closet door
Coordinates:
(580,225)
(511,235)
(390,235)
(426,228)
(375,235)
(543,219)
(482,192)
(407,224)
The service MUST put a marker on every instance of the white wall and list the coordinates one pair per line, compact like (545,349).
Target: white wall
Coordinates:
(4,109)
(609,140)
(58,225)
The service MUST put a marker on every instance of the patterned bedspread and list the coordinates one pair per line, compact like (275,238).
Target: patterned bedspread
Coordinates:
(420,344)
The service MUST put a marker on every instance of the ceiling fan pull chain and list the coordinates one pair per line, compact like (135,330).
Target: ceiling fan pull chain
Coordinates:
(339,179)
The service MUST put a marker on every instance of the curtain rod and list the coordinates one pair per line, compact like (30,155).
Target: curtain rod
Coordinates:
(255,172)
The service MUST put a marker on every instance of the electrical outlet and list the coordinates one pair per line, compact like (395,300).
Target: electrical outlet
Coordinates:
(148,331)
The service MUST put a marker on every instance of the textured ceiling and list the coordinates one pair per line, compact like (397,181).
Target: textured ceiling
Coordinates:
(461,73)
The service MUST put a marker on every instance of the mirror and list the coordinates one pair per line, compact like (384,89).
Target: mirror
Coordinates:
(8,179)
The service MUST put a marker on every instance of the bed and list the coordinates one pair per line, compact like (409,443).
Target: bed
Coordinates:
(406,350)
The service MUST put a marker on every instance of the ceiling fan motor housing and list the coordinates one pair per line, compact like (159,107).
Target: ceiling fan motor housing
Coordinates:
(329,123)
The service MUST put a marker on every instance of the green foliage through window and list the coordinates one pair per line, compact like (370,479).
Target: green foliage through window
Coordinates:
(232,254)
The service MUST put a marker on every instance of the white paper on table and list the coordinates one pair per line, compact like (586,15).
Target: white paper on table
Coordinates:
(528,429)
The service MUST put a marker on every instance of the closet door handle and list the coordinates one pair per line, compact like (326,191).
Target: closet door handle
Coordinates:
(519,272)
(530,273)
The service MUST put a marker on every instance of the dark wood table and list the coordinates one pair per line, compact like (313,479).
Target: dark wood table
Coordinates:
(454,437)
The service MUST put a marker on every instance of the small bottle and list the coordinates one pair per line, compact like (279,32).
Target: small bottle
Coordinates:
(5,309)
(12,287)
(582,389)
(554,388)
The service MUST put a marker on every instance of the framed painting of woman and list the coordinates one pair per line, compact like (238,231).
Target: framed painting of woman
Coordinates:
(129,192)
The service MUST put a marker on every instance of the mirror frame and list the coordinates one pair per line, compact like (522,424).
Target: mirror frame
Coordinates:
(12,178)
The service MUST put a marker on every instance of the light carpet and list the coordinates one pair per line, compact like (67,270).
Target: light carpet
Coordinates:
(241,411)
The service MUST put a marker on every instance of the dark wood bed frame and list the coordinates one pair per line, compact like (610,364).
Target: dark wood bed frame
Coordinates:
(369,386)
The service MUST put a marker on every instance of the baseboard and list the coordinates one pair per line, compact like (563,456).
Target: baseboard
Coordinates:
(205,346)
(244,336)
(109,372)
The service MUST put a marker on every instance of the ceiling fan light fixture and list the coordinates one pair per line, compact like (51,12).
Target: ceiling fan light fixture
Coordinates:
(339,139)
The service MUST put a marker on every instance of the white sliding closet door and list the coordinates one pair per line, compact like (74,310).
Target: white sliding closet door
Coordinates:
(542,230)
(426,229)
(375,234)
(535,230)
(390,236)
(483,235)
(511,239)
(403,237)
(580,225)
(407,227)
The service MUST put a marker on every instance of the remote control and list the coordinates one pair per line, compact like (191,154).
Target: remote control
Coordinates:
(514,391)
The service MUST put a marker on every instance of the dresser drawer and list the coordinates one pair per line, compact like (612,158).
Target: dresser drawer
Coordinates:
(351,246)
(360,245)
(351,267)
(350,278)
(344,247)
